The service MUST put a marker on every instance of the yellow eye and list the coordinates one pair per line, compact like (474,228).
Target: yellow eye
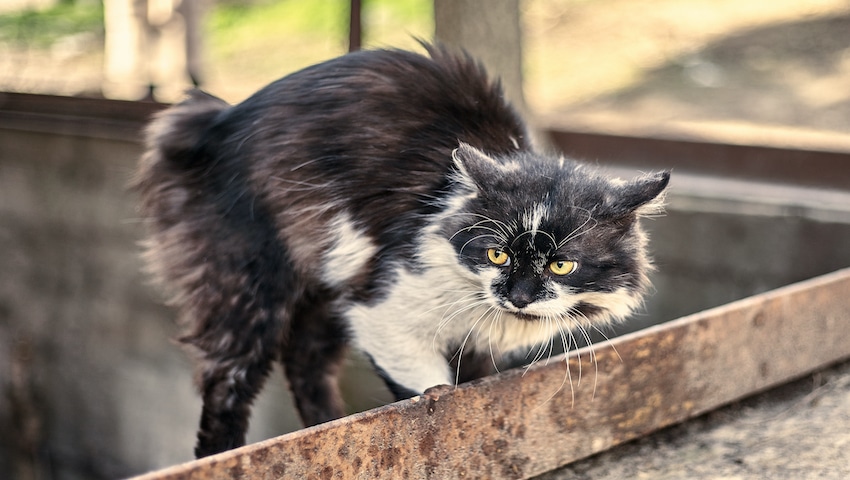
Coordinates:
(497,257)
(563,267)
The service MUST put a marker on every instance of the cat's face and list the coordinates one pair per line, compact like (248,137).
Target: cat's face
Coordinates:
(551,240)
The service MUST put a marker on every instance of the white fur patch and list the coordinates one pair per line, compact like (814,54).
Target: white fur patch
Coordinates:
(619,304)
(398,333)
(409,334)
(349,253)
(510,167)
(532,218)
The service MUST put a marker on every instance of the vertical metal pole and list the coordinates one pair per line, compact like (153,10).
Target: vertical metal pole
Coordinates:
(192,11)
(355,27)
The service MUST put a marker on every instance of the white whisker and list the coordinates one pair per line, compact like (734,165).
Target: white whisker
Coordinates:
(578,231)
(496,318)
(459,353)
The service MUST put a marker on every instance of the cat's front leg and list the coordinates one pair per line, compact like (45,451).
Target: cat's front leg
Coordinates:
(408,375)
(407,359)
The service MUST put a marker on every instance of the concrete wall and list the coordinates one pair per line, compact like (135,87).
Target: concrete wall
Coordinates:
(91,385)
(85,360)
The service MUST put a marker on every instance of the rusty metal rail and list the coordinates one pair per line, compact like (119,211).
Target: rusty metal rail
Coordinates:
(788,157)
(520,424)
(87,117)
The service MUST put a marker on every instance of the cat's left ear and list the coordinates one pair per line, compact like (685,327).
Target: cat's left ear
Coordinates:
(643,196)
(473,164)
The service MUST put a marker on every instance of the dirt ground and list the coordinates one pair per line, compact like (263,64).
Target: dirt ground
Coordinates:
(768,76)
(783,63)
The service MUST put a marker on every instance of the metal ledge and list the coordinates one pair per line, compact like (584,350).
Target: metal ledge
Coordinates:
(79,117)
(788,156)
(523,423)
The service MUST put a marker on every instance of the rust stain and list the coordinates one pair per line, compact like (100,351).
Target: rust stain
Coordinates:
(759,320)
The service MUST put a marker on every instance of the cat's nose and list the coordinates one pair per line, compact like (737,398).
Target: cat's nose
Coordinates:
(521,294)
(520,301)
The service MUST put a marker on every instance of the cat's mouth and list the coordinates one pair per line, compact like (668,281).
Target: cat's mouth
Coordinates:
(521,313)
(530,317)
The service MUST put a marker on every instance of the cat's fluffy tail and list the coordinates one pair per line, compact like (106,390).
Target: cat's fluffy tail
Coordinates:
(175,134)
(166,180)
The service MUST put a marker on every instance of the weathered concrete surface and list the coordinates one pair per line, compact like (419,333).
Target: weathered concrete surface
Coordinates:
(799,430)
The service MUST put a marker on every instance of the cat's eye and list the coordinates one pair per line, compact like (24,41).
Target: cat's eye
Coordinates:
(563,267)
(497,257)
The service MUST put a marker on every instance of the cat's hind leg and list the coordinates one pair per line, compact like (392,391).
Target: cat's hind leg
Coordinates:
(214,243)
(312,357)
(228,389)
(234,285)
(237,318)
(238,314)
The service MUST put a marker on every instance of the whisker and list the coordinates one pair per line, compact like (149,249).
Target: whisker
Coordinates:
(496,318)
(608,341)
(500,230)
(459,353)
(566,346)
(577,232)
(559,322)
(474,239)
(446,319)
(591,350)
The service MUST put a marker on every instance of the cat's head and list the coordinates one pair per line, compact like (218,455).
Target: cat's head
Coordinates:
(548,238)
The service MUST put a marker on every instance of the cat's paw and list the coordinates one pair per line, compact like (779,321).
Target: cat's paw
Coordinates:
(437,391)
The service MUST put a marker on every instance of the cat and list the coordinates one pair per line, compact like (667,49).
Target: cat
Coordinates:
(388,199)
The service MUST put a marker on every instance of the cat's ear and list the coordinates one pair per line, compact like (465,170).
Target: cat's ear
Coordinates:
(473,164)
(643,195)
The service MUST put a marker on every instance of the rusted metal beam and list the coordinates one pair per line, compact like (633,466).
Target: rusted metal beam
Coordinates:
(522,423)
(803,165)
(85,117)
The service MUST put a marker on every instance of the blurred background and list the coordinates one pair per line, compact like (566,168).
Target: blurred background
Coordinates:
(779,62)
(747,100)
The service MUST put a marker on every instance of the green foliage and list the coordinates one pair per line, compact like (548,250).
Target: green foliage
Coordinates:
(229,22)
(41,28)
(232,25)
(252,42)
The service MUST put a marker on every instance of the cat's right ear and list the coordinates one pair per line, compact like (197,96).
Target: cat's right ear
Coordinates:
(472,164)
(643,196)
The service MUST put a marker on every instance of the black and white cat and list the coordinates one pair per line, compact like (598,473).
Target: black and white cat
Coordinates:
(385,199)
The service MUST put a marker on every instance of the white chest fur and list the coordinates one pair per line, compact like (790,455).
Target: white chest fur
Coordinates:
(428,312)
